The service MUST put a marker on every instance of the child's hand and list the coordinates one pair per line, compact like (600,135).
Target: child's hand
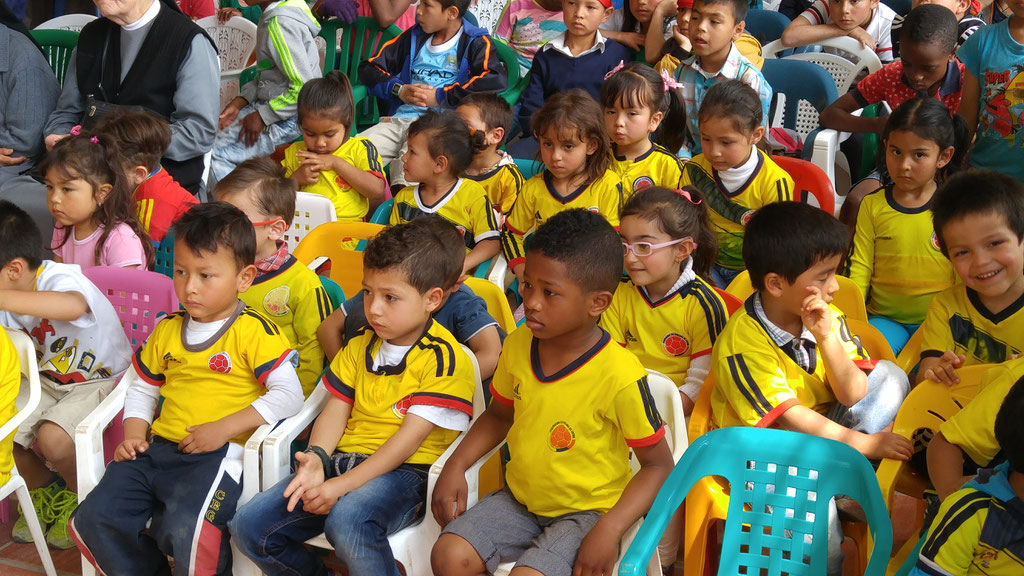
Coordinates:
(317,162)
(230,112)
(309,473)
(945,370)
(887,445)
(225,14)
(252,126)
(320,499)
(681,38)
(203,438)
(419,95)
(129,448)
(449,500)
(306,176)
(635,40)
(598,551)
(861,35)
(816,314)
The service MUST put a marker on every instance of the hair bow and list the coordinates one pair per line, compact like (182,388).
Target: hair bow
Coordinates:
(686,194)
(618,67)
(76,130)
(94,140)
(668,81)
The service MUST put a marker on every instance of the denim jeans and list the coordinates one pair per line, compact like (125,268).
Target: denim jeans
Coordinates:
(722,276)
(357,526)
(228,152)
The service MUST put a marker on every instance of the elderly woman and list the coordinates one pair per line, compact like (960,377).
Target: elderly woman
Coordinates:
(146,53)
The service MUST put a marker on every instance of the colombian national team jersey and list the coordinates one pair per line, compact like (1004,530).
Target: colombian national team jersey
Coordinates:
(571,430)
(656,167)
(205,382)
(349,205)
(958,321)
(294,299)
(730,211)
(466,206)
(502,184)
(896,255)
(973,428)
(435,372)
(666,335)
(539,201)
(756,381)
(10,381)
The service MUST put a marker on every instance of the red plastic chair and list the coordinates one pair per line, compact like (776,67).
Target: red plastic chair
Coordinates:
(810,181)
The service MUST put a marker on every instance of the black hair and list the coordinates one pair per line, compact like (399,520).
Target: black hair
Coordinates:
(19,236)
(574,114)
(586,244)
(263,181)
(931,24)
(978,192)
(739,7)
(494,113)
(928,118)
(426,250)
(462,5)
(679,218)
(448,136)
(734,100)
(211,226)
(638,85)
(788,238)
(1009,427)
(328,97)
(142,136)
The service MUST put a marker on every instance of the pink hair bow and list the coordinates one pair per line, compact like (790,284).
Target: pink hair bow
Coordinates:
(94,140)
(76,130)
(686,194)
(668,81)
(618,67)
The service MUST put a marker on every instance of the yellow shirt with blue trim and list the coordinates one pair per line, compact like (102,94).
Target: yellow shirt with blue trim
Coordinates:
(896,255)
(539,201)
(349,205)
(294,299)
(656,167)
(756,381)
(666,335)
(572,430)
(730,211)
(958,321)
(502,185)
(435,372)
(10,381)
(466,206)
(205,382)
(973,428)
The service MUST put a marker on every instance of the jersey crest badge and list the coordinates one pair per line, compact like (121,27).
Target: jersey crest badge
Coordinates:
(675,344)
(276,301)
(561,437)
(220,362)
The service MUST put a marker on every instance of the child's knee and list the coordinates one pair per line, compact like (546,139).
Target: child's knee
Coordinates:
(453,556)
(54,442)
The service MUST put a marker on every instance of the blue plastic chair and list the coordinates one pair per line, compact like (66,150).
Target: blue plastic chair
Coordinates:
(772,478)
(765,25)
(383,212)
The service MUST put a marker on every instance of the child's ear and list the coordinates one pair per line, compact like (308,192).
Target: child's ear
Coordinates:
(14,270)
(944,157)
(101,193)
(741,25)
(592,147)
(655,121)
(452,12)
(757,135)
(598,302)
(434,298)
(496,136)
(278,229)
(685,249)
(607,14)
(440,164)
(138,175)
(774,284)
(245,277)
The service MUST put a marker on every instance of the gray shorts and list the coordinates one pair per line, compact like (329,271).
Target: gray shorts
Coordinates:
(501,529)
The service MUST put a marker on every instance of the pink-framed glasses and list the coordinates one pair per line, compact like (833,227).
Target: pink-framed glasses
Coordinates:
(643,249)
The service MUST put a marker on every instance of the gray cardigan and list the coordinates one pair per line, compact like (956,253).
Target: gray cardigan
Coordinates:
(28,94)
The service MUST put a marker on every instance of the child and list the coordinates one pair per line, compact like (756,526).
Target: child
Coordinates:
(637,101)
(489,119)
(667,313)
(643,26)
(978,529)
(284,290)
(10,381)
(527,25)
(894,259)
(991,103)
(81,350)
(679,49)
(979,225)
(435,63)
(967,22)
(263,116)
(734,176)
(327,162)
(867,21)
(568,496)
(574,149)
(142,138)
(401,392)
(89,198)
(217,369)
(439,150)
(578,58)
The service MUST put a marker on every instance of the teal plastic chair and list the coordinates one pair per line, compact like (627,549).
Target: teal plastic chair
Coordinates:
(383,212)
(780,481)
(58,45)
(163,261)
(529,167)
(334,292)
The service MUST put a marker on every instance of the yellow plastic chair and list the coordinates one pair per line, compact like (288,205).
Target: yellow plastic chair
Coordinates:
(872,340)
(326,242)
(910,356)
(849,298)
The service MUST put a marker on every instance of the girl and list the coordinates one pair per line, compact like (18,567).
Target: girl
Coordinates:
(637,100)
(574,149)
(86,191)
(327,162)
(896,259)
(643,25)
(734,176)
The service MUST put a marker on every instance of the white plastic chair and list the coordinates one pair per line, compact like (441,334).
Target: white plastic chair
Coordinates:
(311,210)
(844,58)
(235,40)
(73,22)
(16,484)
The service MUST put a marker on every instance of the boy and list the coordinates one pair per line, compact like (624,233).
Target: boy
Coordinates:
(715,25)
(967,23)
(435,63)
(867,21)
(979,529)
(979,226)
(264,115)
(221,369)
(142,139)
(81,350)
(565,506)
(401,392)
(489,119)
(284,290)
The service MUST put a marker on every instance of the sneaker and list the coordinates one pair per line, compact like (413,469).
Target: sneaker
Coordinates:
(61,507)
(41,499)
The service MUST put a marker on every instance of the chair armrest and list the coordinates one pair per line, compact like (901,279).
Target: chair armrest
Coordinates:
(820,148)
(89,436)
(252,72)
(498,272)
(251,463)
(277,444)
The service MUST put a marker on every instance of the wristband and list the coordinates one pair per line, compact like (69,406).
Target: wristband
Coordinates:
(324,459)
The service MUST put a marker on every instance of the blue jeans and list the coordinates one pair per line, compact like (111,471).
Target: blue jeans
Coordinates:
(228,152)
(357,526)
(896,334)
(722,276)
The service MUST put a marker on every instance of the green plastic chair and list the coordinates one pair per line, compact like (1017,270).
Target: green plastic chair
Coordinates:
(359,41)
(58,46)
(163,261)
(781,481)
(250,13)
(516,83)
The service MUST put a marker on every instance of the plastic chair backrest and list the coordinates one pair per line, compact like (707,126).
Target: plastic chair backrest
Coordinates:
(765,25)
(72,22)
(383,212)
(27,362)
(334,292)
(810,181)
(358,42)
(843,58)
(781,482)
(311,210)
(139,297)
(235,40)
(58,46)
(911,353)
(510,59)
(497,304)
(670,406)
(871,339)
(326,240)
(163,256)
(732,303)
(808,90)
(529,167)
(848,298)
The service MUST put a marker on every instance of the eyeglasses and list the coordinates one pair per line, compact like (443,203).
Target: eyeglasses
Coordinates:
(265,222)
(642,249)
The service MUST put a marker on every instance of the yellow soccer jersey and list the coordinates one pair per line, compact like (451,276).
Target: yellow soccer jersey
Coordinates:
(667,334)
(538,201)
(466,206)
(896,255)
(958,321)
(206,382)
(973,428)
(435,372)
(348,204)
(756,381)
(730,212)
(656,167)
(294,299)
(571,431)
(10,381)
(502,185)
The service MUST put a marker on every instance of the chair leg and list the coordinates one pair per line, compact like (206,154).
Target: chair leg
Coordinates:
(33,525)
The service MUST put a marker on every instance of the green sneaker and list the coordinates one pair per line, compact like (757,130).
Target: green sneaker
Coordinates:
(41,499)
(61,507)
